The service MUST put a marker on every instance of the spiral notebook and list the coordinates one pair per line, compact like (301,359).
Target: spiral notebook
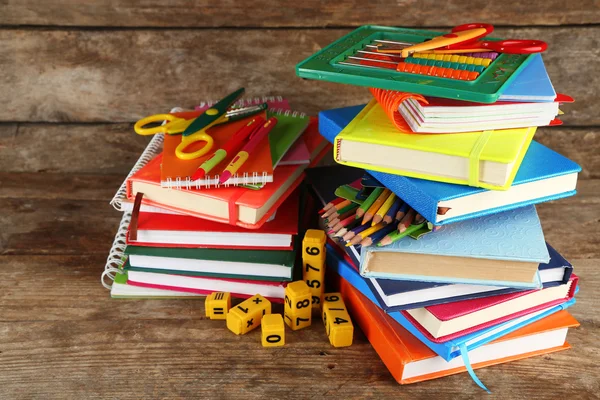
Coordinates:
(258,170)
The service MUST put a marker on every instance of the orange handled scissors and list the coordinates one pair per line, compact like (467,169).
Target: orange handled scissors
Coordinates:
(465,39)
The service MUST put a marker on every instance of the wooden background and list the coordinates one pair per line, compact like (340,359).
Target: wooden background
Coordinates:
(74,75)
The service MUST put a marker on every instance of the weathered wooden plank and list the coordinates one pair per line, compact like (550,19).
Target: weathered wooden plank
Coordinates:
(114,148)
(311,13)
(123,75)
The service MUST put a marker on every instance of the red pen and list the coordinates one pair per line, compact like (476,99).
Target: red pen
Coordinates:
(243,155)
(232,145)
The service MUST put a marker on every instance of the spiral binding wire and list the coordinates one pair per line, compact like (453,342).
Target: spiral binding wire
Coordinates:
(390,100)
(244,102)
(256,178)
(440,72)
(116,256)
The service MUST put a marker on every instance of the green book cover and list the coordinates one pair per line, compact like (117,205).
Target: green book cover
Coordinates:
(271,257)
(288,129)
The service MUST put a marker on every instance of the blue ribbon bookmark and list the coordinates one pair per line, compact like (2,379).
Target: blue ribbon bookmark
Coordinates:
(465,357)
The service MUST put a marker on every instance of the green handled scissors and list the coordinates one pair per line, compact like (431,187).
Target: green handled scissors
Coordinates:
(194,130)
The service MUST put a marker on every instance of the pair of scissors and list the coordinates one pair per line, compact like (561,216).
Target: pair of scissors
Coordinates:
(465,39)
(193,126)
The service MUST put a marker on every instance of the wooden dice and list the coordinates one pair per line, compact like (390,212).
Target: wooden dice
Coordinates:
(273,330)
(313,264)
(338,324)
(247,315)
(297,309)
(217,305)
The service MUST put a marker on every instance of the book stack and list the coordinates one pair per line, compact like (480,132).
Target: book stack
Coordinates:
(187,237)
(479,286)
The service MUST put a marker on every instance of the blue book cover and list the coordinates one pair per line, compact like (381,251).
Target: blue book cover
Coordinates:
(450,349)
(532,84)
(406,295)
(544,175)
(511,236)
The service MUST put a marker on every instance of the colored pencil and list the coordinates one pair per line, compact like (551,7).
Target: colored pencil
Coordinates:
(387,204)
(394,236)
(442,210)
(403,209)
(391,214)
(361,235)
(346,228)
(377,236)
(343,222)
(419,219)
(330,204)
(351,207)
(407,220)
(368,202)
(376,205)
(336,207)
(352,232)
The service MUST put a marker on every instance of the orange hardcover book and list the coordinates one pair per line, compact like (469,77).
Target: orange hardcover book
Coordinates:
(410,361)
(176,173)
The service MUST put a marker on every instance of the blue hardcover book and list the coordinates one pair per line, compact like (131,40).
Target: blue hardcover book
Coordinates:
(544,175)
(394,295)
(503,249)
(531,85)
(452,348)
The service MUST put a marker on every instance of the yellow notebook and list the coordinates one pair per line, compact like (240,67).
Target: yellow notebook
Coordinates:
(487,159)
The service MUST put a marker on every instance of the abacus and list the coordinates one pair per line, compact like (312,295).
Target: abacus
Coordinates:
(355,59)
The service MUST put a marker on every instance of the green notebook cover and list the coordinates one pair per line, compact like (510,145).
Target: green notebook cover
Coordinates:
(290,126)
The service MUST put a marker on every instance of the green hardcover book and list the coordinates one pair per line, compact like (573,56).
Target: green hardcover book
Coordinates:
(264,265)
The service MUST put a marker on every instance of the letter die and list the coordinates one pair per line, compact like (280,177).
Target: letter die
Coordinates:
(217,305)
(273,330)
(247,315)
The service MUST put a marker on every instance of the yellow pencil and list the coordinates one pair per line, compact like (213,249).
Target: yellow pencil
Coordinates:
(383,209)
(376,205)
(360,236)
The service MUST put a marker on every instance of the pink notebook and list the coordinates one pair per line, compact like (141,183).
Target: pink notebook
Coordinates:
(450,311)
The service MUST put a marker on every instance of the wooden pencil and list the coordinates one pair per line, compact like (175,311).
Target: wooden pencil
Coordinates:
(376,205)
(407,220)
(330,204)
(336,207)
(391,214)
(352,232)
(368,202)
(346,228)
(442,210)
(419,219)
(351,207)
(343,222)
(377,236)
(382,212)
(361,235)
(403,209)
(396,235)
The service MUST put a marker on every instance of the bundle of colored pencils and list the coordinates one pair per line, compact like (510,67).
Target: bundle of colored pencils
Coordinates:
(381,219)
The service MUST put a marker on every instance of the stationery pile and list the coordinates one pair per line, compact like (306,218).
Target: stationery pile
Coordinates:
(454,273)
(213,203)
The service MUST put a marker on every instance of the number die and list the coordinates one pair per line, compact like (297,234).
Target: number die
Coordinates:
(297,297)
(298,320)
(247,315)
(338,327)
(273,330)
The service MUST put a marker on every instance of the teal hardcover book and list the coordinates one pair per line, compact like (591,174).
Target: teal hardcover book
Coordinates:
(502,249)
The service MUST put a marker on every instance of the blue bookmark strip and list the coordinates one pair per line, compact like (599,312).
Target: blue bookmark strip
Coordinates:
(465,357)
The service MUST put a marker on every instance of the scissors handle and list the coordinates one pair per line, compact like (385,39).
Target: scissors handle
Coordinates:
(511,46)
(193,138)
(173,126)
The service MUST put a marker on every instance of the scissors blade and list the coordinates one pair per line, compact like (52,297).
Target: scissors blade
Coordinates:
(214,113)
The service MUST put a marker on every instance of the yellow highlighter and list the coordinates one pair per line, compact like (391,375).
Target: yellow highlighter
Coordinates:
(247,150)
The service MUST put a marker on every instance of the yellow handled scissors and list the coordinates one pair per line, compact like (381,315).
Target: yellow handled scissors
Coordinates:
(194,130)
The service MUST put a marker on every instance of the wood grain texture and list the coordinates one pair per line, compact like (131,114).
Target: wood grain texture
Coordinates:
(113,148)
(310,13)
(123,75)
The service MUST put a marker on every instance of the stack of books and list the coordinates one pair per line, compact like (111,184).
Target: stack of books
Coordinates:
(186,237)
(478,285)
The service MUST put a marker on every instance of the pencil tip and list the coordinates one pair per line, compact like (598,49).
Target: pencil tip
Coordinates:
(225,175)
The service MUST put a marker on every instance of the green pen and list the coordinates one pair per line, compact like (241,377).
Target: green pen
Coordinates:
(368,202)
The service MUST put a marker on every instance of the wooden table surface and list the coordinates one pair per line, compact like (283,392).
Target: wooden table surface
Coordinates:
(74,75)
